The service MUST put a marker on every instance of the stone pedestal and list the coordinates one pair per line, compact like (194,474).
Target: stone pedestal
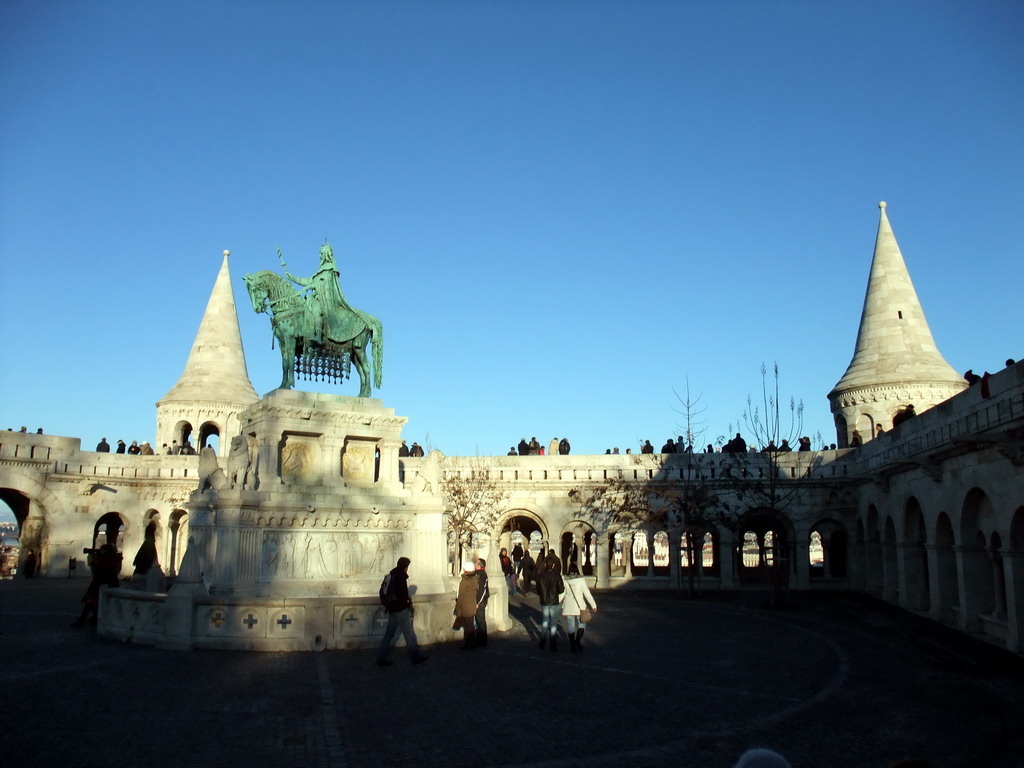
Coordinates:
(291,544)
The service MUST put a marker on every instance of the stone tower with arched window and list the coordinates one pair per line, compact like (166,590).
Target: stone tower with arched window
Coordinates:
(215,386)
(895,361)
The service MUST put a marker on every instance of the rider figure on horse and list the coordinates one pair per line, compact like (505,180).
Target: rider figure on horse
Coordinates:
(326,300)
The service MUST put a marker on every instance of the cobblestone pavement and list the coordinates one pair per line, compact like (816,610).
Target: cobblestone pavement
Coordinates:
(834,680)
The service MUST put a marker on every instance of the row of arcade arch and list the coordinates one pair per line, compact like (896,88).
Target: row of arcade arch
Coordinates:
(960,567)
(761,548)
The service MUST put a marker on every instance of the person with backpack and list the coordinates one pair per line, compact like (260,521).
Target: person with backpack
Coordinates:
(394,596)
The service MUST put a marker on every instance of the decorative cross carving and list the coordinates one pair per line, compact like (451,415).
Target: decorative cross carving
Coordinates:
(250,621)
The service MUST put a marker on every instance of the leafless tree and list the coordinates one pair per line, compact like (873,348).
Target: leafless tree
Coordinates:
(473,500)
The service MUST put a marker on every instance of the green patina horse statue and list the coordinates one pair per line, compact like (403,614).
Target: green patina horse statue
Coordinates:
(320,334)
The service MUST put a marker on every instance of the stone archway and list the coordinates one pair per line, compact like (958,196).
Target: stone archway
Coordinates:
(209,435)
(35,508)
(915,591)
(765,555)
(527,524)
(578,544)
(977,594)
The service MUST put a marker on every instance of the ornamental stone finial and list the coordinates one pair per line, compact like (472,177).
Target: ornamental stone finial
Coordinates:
(881,205)
(227,253)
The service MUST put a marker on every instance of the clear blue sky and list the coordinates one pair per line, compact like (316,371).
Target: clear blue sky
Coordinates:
(559,210)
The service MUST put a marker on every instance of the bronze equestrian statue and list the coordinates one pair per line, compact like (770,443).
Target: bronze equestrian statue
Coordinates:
(320,334)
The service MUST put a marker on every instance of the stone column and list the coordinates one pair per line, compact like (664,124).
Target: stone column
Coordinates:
(389,461)
(603,566)
(650,553)
(674,543)
(726,555)
(802,564)
(1013,573)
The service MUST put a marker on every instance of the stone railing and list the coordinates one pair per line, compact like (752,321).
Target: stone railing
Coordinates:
(539,471)
(64,456)
(962,421)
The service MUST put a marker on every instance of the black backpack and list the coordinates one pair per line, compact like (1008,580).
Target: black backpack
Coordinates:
(387,593)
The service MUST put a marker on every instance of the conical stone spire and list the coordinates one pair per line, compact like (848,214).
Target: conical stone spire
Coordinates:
(895,361)
(215,384)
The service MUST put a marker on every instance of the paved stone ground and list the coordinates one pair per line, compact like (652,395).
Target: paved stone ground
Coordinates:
(833,680)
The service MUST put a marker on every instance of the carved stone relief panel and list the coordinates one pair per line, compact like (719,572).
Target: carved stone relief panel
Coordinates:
(358,461)
(300,457)
(320,556)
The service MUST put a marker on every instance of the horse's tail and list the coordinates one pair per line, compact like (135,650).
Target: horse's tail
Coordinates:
(377,332)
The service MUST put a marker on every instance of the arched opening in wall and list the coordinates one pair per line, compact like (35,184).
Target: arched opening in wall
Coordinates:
(152,517)
(915,558)
(978,574)
(660,554)
(178,527)
(764,556)
(697,556)
(109,530)
(522,526)
(182,433)
(578,544)
(640,557)
(29,554)
(842,438)
(209,435)
(619,547)
(865,426)
(816,555)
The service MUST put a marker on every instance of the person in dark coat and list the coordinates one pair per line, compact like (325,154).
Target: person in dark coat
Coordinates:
(106,568)
(550,588)
(564,447)
(145,558)
(30,565)
(400,615)
(517,558)
(524,447)
(529,571)
(465,604)
(483,592)
(403,450)
(103,446)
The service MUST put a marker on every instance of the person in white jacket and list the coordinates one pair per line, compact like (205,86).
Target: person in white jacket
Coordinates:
(577,597)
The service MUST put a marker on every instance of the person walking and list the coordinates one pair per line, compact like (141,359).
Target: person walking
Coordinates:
(465,604)
(550,588)
(509,571)
(394,595)
(517,557)
(105,564)
(529,570)
(577,599)
(483,591)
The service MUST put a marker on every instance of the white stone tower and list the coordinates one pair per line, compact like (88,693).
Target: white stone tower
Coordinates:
(895,362)
(215,386)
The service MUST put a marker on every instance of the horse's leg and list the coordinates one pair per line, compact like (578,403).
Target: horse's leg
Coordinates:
(359,345)
(287,361)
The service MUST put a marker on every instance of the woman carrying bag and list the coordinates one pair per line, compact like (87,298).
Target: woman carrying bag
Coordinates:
(578,605)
